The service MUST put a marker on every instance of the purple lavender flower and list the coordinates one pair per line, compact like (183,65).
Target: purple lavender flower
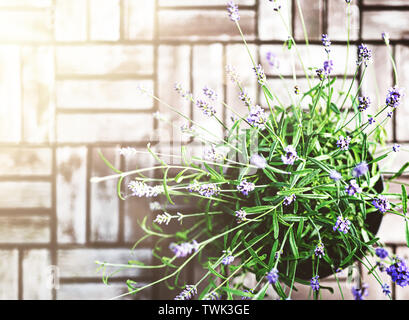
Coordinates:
(342,224)
(206,190)
(371,120)
(335,175)
(290,155)
(184,249)
(315,284)
(326,42)
(386,289)
(394,96)
(141,189)
(233,10)
(210,93)
(272,60)
(360,169)
(245,187)
(343,143)
(187,294)
(227,260)
(182,91)
(328,67)
(386,37)
(364,54)
(353,188)
(381,266)
(360,293)
(320,74)
(381,253)
(241,216)
(207,109)
(319,250)
(381,203)
(396,147)
(348,1)
(363,103)
(288,200)
(247,291)
(258,161)
(212,296)
(243,96)
(257,117)
(389,114)
(399,272)
(272,276)
(261,76)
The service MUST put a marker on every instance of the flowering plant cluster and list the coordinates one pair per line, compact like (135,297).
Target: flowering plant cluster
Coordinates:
(290,193)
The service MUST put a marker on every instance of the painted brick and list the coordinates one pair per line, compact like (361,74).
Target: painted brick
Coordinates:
(402,114)
(10,93)
(392,229)
(36,275)
(25,229)
(386,2)
(99,291)
(138,20)
(270,25)
(209,24)
(338,20)
(104,19)
(190,3)
(25,161)
(71,194)
(103,94)
(80,263)
(393,22)
(71,20)
(26,3)
(25,194)
(174,66)
(104,200)
(22,25)
(312,13)
(83,128)
(9,275)
(38,92)
(103,59)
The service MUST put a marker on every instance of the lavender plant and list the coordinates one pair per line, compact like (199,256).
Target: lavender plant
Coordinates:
(290,193)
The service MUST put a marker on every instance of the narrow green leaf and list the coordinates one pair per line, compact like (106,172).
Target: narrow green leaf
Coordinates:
(165,187)
(293,244)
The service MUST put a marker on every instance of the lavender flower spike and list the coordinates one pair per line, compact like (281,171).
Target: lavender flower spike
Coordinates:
(343,143)
(272,276)
(353,188)
(245,187)
(257,117)
(290,155)
(241,216)
(233,10)
(394,96)
(288,200)
(381,203)
(326,42)
(335,175)
(364,103)
(207,109)
(184,249)
(319,250)
(315,284)
(187,294)
(360,169)
(258,161)
(210,93)
(342,224)
(396,147)
(364,54)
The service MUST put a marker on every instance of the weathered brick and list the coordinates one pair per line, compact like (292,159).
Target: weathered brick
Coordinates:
(25,161)
(209,24)
(338,20)
(85,128)
(270,24)
(312,13)
(138,19)
(26,3)
(36,274)
(80,263)
(402,112)
(24,25)
(402,292)
(104,19)
(104,199)
(103,94)
(71,194)
(393,22)
(190,3)
(71,20)
(392,229)
(394,161)
(25,229)
(10,93)
(99,291)
(103,59)
(174,66)
(25,194)
(9,274)
(38,93)
(214,79)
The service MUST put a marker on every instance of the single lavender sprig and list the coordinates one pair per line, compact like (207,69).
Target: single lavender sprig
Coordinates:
(342,224)
(233,11)
(315,284)
(241,216)
(184,249)
(335,175)
(272,276)
(207,109)
(245,187)
(360,169)
(353,188)
(261,76)
(394,97)
(272,60)
(386,289)
(328,67)
(326,42)
(141,189)
(364,55)
(288,200)
(381,203)
(396,147)
(343,142)
(257,117)
(210,93)
(399,272)
(360,293)
(188,293)
(290,155)
(381,253)
(363,103)
(319,250)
